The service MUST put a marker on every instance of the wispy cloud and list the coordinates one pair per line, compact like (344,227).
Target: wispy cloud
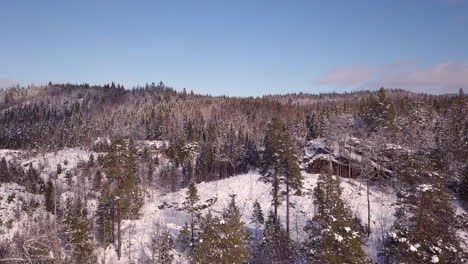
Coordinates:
(408,74)
(439,78)
(347,75)
(7,82)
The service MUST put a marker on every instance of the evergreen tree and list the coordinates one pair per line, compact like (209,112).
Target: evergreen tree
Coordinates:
(233,235)
(464,185)
(380,113)
(191,206)
(49,196)
(276,246)
(312,126)
(271,163)
(332,234)
(222,240)
(161,247)
(105,217)
(97,181)
(257,214)
(280,166)
(184,239)
(423,231)
(78,231)
(207,249)
(4,173)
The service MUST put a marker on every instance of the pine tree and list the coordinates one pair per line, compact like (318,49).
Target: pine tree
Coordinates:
(257,216)
(4,173)
(312,126)
(78,231)
(423,231)
(97,181)
(332,235)
(276,246)
(193,209)
(105,217)
(271,163)
(280,166)
(184,238)
(222,240)
(161,247)
(233,235)
(125,194)
(49,196)
(207,249)
(464,185)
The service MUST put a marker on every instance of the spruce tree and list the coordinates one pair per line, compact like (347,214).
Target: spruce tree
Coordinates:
(78,231)
(280,166)
(184,239)
(423,231)
(191,206)
(4,173)
(464,185)
(222,240)
(105,217)
(276,246)
(161,247)
(233,235)
(332,233)
(207,249)
(257,216)
(49,196)
(97,181)
(271,163)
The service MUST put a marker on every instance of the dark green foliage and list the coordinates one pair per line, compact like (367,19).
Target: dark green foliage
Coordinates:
(280,165)
(257,214)
(276,245)
(464,185)
(423,231)
(333,236)
(50,196)
(191,206)
(4,173)
(121,171)
(97,181)
(379,112)
(104,218)
(77,229)
(222,240)
(184,238)
(313,126)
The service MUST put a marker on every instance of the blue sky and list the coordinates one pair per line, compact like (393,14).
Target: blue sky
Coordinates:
(238,47)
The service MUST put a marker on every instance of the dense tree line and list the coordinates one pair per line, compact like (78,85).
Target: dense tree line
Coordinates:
(210,138)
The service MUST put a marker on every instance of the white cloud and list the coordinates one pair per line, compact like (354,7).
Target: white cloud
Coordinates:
(347,75)
(445,77)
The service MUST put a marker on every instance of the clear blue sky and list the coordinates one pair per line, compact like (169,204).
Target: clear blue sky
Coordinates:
(238,47)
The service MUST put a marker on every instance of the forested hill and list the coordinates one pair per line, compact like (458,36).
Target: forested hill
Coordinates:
(153,175)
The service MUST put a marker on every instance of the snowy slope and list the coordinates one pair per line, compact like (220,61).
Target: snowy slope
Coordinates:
(248,188)
(14,201)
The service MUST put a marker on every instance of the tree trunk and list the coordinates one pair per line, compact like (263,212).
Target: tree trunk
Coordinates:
(275,198)
(287,208)
(55,205)
(119,235)
(368,209)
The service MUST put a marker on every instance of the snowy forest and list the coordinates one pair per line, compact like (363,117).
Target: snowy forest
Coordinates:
(110,175)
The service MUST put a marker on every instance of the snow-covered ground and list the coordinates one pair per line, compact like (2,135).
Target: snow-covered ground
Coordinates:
(18,211)
(248,189)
